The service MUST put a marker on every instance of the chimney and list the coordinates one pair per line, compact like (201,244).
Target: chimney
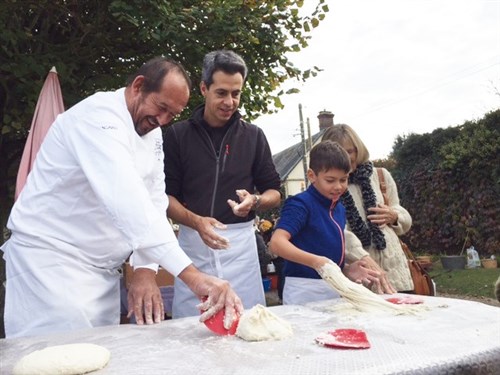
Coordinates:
(325,119)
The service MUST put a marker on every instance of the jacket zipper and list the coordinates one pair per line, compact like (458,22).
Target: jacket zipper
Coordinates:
(217,164)
(212,204)
(341,232)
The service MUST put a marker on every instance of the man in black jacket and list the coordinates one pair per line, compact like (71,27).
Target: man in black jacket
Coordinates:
(218,172)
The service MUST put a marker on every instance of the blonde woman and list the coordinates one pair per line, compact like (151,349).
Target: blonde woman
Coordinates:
(372,226)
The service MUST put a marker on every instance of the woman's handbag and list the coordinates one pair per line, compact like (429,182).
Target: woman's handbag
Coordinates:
(422,282)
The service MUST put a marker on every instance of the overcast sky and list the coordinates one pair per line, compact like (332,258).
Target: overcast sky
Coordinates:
(395,67)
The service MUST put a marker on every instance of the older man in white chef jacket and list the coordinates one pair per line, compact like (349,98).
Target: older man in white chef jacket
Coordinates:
(96,194)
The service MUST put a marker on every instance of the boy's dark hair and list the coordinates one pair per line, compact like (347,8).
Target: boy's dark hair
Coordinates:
(328,155)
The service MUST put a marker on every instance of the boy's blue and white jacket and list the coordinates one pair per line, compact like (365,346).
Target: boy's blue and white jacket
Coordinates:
(316,225)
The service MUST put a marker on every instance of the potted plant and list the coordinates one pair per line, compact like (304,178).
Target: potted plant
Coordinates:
(453,262)
(456,262)
(489,262)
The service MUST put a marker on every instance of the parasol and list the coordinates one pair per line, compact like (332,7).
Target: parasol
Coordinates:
(49,105)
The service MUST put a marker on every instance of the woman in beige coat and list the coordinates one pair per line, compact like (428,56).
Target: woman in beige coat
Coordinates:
(372,226)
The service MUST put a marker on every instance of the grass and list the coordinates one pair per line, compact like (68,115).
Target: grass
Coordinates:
(477,282)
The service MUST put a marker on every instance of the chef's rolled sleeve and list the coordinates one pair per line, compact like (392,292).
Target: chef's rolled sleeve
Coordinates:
(170,256)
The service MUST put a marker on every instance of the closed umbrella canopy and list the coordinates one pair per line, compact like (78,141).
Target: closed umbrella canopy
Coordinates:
(49,105)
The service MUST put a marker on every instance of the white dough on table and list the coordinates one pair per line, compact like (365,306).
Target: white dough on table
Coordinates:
(260,324)
(67,359)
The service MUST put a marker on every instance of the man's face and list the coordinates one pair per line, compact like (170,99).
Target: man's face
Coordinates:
(155,109)
(222,98)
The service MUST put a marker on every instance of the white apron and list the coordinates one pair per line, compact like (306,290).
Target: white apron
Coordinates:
(239,264)
(301,290)
(50,291)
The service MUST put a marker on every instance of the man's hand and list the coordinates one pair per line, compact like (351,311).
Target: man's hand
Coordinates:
(144,298)
(246,204)
(205,227)
(219,295)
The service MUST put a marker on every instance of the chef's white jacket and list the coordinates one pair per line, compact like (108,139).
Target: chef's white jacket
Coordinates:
(96,193)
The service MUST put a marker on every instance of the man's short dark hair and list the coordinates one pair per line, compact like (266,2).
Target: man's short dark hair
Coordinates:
(155,70)
(227,61)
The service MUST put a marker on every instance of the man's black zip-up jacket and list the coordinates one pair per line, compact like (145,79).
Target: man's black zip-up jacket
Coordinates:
(203,178)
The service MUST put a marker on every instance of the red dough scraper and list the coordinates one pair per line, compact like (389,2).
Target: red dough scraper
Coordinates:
(346,338)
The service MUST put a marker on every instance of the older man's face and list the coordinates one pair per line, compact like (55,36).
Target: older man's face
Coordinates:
(155,109)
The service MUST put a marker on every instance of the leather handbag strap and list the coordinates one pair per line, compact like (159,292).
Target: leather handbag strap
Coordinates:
(408,253)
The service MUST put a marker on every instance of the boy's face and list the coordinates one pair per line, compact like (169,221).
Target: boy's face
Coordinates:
(331,183)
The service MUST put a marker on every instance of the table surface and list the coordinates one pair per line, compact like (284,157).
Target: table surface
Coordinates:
(452,336)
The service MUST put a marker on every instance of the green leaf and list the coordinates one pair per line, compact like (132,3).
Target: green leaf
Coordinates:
(277,102)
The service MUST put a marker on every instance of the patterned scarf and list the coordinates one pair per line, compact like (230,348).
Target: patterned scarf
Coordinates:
(367,232)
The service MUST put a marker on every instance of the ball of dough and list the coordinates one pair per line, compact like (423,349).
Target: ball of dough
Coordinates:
(63,360)
(259,324)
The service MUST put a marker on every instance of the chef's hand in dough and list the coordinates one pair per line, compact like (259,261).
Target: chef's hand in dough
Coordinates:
(144,298)
(384,286)
(360,274)
(219,295)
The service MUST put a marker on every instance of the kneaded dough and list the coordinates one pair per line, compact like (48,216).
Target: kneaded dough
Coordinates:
(260,324)
(63,360)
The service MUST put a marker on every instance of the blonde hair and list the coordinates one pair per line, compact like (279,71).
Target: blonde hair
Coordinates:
(341,133)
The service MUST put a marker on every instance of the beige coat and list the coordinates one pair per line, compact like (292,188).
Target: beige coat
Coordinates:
(392,259)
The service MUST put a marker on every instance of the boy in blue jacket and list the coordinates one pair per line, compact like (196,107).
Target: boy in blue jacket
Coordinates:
(310,231)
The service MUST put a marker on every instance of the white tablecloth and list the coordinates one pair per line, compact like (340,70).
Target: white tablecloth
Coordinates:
(454,336)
